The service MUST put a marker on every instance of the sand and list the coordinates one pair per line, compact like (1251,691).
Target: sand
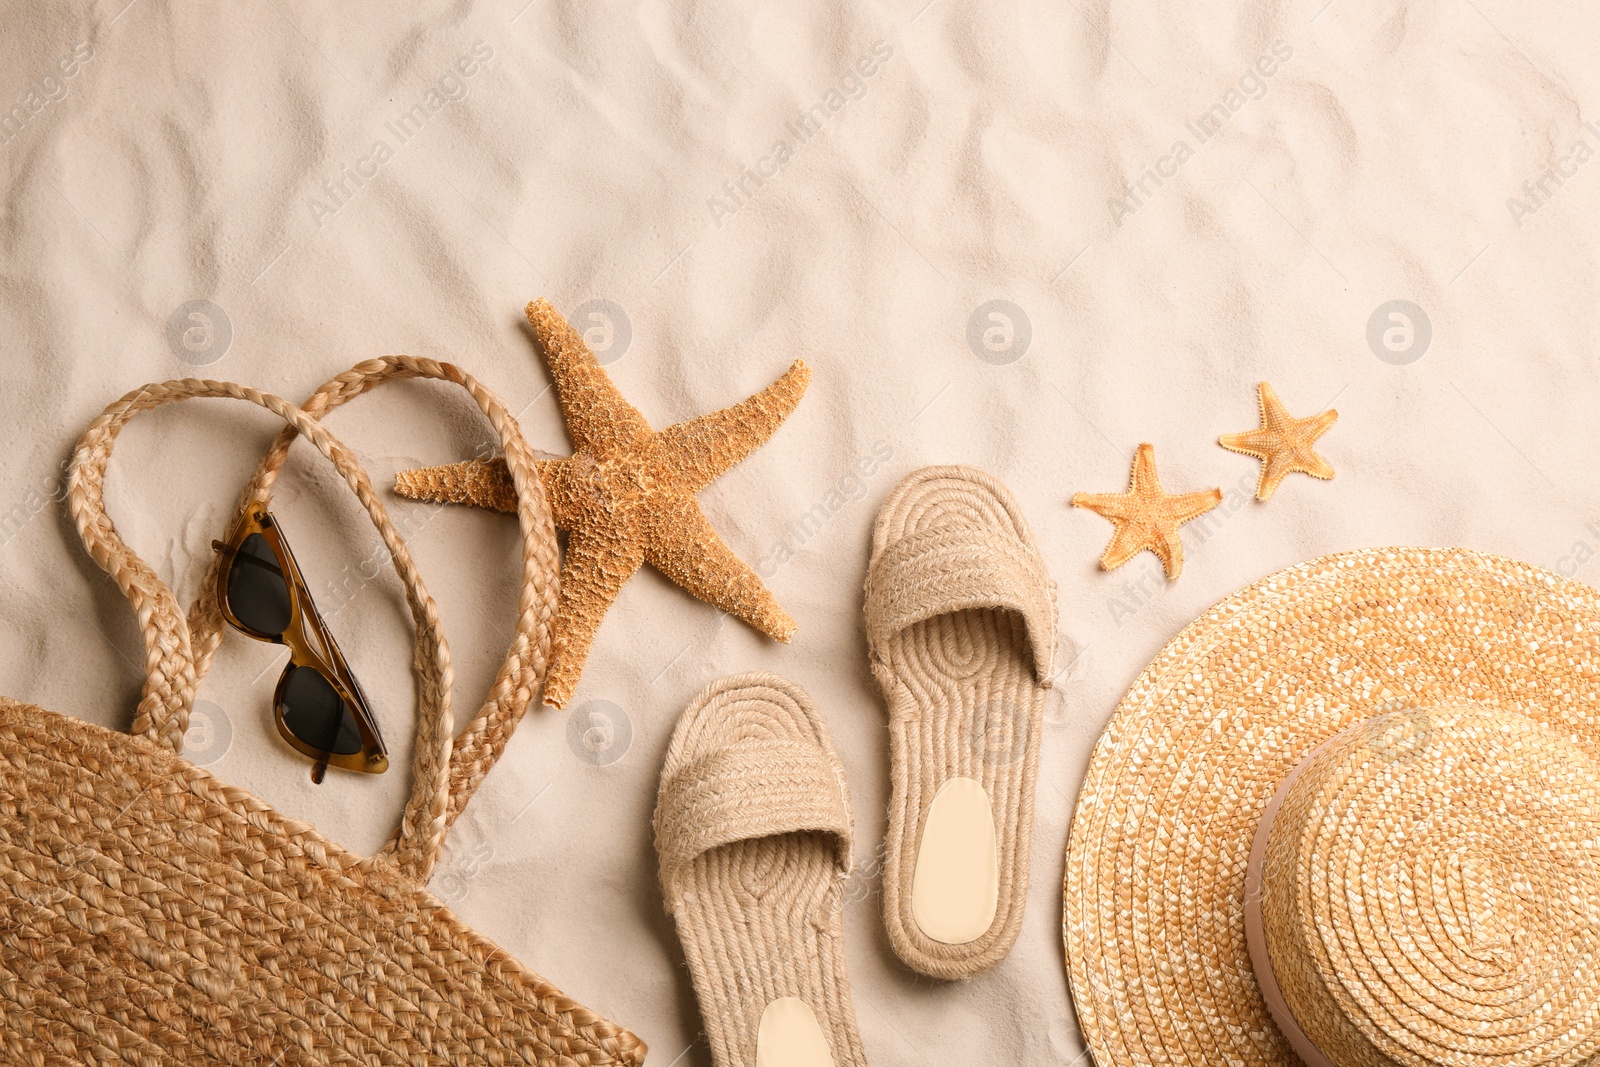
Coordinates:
(1168,203)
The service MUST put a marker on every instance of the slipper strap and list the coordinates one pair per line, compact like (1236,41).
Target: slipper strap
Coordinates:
(750,790)
(954,568)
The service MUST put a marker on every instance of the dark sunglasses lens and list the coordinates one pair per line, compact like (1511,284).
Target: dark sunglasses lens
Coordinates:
(258,594)
(316,714)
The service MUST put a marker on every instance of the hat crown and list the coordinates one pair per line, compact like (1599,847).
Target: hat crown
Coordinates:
(1431,893)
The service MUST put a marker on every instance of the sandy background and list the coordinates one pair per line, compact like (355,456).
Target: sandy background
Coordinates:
(646,167)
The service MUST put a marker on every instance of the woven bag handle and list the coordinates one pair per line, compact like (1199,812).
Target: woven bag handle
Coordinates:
(481,742)
(445,773)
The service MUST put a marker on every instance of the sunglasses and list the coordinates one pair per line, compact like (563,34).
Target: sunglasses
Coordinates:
(320,709)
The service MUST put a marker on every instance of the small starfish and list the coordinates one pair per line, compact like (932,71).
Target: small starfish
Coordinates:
(1145,516)
(626,496)
(1283,444)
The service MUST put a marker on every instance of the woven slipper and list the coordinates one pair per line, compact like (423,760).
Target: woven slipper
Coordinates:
(753,828)
(961,622)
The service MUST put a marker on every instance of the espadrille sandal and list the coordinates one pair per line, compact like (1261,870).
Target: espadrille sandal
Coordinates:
(753,828)
(961,622)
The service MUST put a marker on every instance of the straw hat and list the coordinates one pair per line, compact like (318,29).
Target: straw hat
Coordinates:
(1351,816)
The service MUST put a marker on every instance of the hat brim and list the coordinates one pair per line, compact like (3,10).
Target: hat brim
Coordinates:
(1153,919)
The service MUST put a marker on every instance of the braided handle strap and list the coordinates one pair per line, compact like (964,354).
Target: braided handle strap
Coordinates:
(480,743)
(446,771)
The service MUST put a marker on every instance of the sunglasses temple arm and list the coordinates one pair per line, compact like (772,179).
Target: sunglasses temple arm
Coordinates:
(245,557)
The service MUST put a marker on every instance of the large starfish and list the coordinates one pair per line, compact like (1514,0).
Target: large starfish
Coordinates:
(626,496)
(1145,517)
(1283,444)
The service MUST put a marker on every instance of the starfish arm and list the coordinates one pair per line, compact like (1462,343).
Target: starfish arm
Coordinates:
(1320,422)
(1186,506)
(698,451)
(1126,542)
(1273,413)
(1316,466)
(1282,464)
(1257,443)
(686,549)
(477,483)
(1272,475)
(1144,470)
(1170,548)
(598,417)
(594,571)
(1112,506)
(1277,467)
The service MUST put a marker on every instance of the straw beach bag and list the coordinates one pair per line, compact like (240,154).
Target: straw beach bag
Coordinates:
(151,914)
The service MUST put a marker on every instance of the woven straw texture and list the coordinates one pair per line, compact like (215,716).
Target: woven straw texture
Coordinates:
(961,625)
(753,829)
(1155,868)
(153,915)
(1432,896)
